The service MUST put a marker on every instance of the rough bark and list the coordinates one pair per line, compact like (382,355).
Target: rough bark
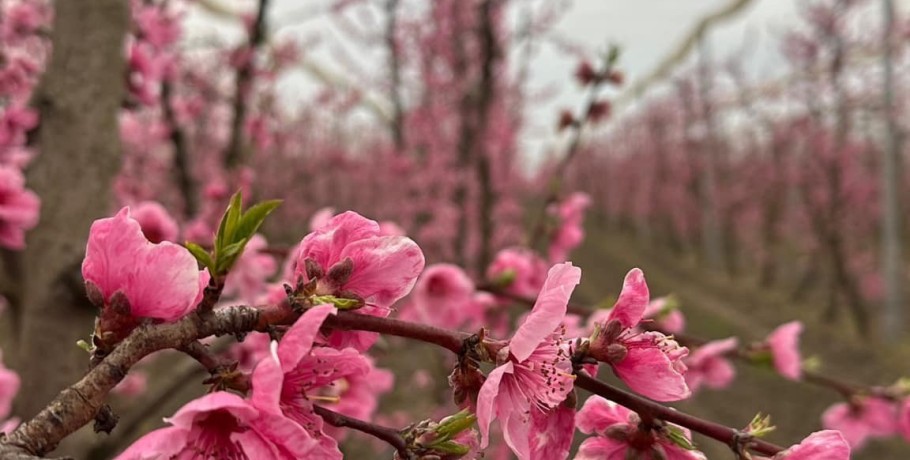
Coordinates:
(78,142)
(892,250)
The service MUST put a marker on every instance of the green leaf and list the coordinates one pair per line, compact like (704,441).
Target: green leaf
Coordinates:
(678,437)
(229,255)
(451,448)
(252,219)
(450,426)
(201,255)
(228,224)
(338,302)
(84,345)
(760,425)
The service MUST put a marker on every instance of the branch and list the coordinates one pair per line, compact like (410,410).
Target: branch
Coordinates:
(555,183)
(389,435)
(396,124)
(648,409)
(743,354)
(78,404)
(244,81)
(182,169)
(450,340)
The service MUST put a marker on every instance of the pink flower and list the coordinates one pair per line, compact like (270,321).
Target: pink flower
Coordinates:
(223,425)
(903,419)
(570,233)
(552,432)
(355,395)
(157,225)
(156,26)
(321,217)
(348,258)
(160,281)
(821,445)
(443,296)
(650,363)
(534,372)
(862,419)
(247,278)
(9,386)
(19,208)
(285,382)
(709,366)
(519,270)
(666,316)
(134,384)
(617,435)
(784,345)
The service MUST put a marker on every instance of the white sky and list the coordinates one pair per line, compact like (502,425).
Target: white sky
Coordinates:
(647,30)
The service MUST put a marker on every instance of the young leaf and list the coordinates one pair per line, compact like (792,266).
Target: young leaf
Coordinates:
(229,255)
(228,225)
(678,437)
(252,219)
(201,255)
(339,302)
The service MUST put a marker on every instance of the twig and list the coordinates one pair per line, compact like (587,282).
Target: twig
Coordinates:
(78,404)
(234,156)
(389,435)
(648,409)
(182,169)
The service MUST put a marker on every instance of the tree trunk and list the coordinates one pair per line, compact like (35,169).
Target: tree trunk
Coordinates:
(78,141)
(892,271)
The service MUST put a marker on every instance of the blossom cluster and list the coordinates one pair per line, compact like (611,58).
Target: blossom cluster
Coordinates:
(135,276)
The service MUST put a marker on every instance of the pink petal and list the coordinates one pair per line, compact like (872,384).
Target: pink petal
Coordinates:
(486,400)
(873,417)
(515,431)
(9,387)
(160,280)
(602,448)
(325,244)
(784,343)
(185,417)
(548,312)
(821,445)
(598,414)
(114,244)
(385,268)
(903,419)
(267,381)
(632,300)
(157,225)
(650,372)
(552,433)
(167,283)
(321,217)
(159,444)
(298,340)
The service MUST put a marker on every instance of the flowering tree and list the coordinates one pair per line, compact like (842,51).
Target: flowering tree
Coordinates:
(287,323)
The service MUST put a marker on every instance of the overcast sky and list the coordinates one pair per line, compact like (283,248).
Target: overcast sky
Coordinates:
(647,30)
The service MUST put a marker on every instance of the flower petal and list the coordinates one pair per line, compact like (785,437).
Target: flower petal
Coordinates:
(486,401)
(633,300)
(298,340)
(548,311)
(650,372)
(385,268)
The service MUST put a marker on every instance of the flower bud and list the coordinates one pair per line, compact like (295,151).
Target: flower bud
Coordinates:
(340,273)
